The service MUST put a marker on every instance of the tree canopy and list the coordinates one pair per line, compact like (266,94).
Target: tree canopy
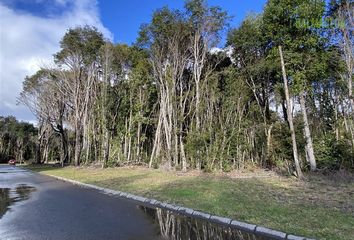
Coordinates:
(277,95)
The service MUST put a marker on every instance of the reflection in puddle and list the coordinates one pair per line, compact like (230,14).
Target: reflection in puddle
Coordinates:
(9,196)
(174,226)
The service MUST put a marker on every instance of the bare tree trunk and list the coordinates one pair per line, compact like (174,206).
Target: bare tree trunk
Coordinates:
(346,14)
(39,146)
(107,65)
(350,91)
(38,152)
(269,141)
(309,145)
(87,141)
(64,145)
(125,148)
(197,104)
(197,67)
(183,154)
(290,115)
(138,140)
(198,58)
(129,134)
(46,151)
(106,139)
(77,143)
(336,116)
(156,147)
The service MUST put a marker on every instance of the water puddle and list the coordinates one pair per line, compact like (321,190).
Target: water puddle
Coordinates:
(10,196)
(174,226)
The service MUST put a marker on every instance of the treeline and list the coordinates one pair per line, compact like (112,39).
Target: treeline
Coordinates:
(17,140)
(279,93)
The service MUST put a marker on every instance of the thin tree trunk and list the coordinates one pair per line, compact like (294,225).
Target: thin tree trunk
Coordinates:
(46,151)
(183,155)
(350,91)
(107,57)
(39,148)
(87,142)
(64,145)
(336,117)
(138,144)
(77,144)
(269,141)
(309,145)
(125,148)
(197,103)
(290,115)
(39,145)
(129,134)
(156,147)
(106,139)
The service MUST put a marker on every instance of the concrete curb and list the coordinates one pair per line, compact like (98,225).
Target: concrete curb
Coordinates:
(225,222)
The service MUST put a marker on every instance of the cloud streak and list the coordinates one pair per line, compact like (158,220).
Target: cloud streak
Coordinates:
(28,41)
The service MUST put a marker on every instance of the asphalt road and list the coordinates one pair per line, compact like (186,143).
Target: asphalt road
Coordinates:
(35,207)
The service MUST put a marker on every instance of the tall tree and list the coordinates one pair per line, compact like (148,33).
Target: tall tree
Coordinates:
(342,34)
(206,24)
(166,37)
(42,95)
(250,50)
(291,25)
(78,59)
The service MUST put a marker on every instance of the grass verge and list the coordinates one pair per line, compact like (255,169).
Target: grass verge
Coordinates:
(319,207)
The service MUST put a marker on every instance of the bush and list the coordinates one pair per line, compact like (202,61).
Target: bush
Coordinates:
(332,154)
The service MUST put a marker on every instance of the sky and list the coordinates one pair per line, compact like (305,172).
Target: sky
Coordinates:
(30,31)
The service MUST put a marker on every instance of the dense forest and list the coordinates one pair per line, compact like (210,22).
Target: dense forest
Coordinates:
(279,94)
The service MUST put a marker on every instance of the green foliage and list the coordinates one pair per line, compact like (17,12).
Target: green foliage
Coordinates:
(209,20)
(82,42)
(304,46)
(17,140)
(171,97)
(332,154)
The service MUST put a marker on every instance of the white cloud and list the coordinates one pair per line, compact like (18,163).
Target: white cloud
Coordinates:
(28,42)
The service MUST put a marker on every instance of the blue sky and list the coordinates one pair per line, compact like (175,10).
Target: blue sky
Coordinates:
(123,18)
(30,31)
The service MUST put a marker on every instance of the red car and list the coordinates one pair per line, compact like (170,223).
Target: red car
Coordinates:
(12,162)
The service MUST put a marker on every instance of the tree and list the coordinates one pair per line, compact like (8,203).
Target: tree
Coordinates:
(250,51)
(343,11)
(206,23)
(342,35)
(290,24)
(176,100)
(78,61)
(166,37)
(41,94)
(17,140)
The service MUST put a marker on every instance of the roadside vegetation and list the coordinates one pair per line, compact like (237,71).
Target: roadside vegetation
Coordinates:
(321,207)
(277,96)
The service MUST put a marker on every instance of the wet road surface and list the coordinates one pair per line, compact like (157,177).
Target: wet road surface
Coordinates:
(35,207)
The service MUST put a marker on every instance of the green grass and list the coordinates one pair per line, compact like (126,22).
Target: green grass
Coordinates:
(319,207)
